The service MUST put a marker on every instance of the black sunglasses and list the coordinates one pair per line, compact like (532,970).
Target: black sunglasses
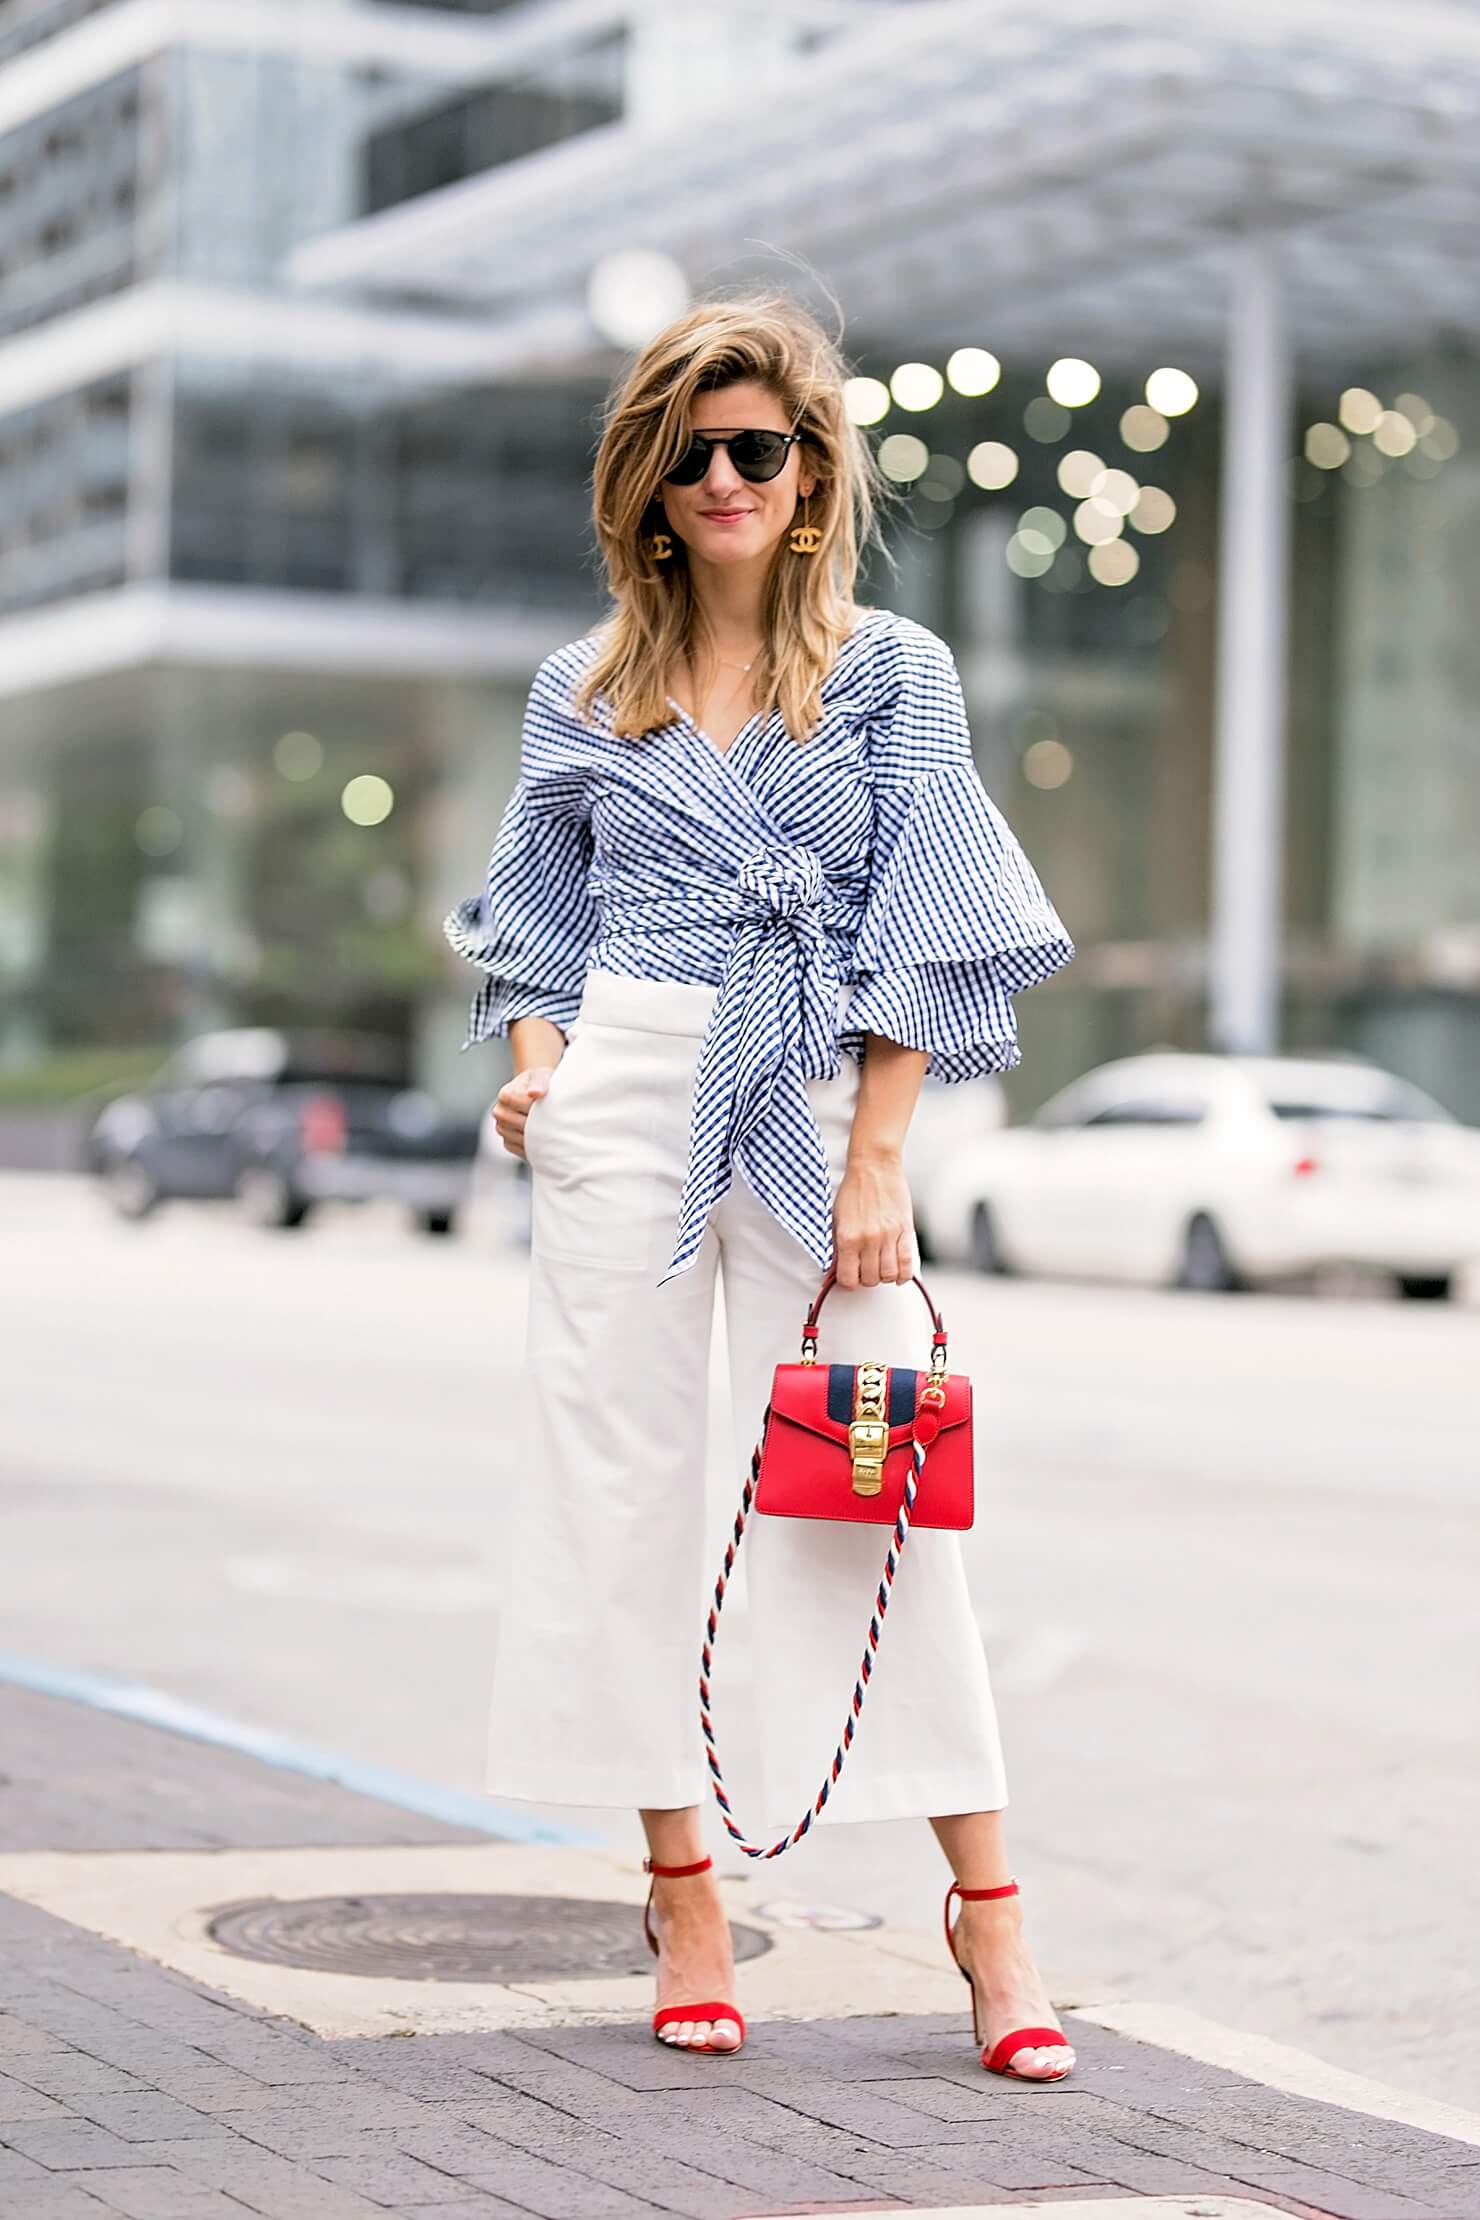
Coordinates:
(756,455)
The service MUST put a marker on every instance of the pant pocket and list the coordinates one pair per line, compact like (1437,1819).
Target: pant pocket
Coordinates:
(610,1143)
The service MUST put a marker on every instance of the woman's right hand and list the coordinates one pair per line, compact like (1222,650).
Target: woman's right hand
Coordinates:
(510,1112)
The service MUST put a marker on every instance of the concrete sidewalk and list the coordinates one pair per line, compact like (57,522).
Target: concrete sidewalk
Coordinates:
(180,2076)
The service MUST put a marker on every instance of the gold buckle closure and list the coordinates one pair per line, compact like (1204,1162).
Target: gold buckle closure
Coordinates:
(868,1434)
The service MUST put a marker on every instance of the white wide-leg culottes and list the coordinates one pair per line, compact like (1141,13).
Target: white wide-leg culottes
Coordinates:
(595,1691)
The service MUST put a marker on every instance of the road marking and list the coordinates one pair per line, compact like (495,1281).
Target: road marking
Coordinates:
(153,1708)
(1279,2066)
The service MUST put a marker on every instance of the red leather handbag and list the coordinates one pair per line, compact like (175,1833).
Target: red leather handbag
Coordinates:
(849,1443)
(837,1438)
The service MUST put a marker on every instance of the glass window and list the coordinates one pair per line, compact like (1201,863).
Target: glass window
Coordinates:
(65,465)
(481,130)
(68,181)
(1400,1105)
(1150,1112)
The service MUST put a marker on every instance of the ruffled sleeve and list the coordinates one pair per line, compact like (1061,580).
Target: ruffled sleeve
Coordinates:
(533,926)
(955,920)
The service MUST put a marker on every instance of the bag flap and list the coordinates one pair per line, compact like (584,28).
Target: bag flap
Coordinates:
(820,1397)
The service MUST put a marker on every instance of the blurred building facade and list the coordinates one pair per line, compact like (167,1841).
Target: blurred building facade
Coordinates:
(305,321)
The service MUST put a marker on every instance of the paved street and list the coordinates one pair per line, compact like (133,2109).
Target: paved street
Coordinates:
(166,2081)
(1226,1560)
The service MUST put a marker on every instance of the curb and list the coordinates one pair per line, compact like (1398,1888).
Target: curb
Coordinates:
(151,1707)
(1299,2073)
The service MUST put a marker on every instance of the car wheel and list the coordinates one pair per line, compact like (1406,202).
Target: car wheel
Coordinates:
(1426,1287)
(268,1199)
(986,1253)
(436,1221)
(131,1187)
(1206,1264)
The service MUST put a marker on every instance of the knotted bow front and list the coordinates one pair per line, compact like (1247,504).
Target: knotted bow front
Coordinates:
(773,1026)
(872,855)
(781,878)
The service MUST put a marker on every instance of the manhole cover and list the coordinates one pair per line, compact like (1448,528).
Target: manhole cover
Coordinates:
(448,1938)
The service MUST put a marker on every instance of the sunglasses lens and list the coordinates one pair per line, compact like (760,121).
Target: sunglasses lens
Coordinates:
(691,464)
(758,455)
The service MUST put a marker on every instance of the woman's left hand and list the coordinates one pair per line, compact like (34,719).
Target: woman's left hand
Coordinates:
(873,1223)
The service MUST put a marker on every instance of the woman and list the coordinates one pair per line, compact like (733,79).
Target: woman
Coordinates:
(747,890)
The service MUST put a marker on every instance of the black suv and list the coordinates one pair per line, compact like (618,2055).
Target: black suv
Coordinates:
(281,1121)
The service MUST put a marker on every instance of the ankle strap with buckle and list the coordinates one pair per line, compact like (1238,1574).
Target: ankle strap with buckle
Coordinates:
(676,1872)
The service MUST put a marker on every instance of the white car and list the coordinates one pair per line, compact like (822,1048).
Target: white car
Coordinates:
(947,1119)
(1218,1172)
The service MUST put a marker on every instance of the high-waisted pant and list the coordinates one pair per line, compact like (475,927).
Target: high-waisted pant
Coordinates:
(595,1680)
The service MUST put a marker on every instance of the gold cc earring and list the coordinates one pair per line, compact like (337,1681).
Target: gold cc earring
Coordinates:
(657,546)
(805,538)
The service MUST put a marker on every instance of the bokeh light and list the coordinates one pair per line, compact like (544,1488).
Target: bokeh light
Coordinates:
(1027,557)
(1044,420)
(1072,383)
(1045,526)
(633,293)
(1113,564)
(944,477)
(865,400)
(1359,410)
(1078,470)
(903,458)
(991,465)
(1393,433)
(1441,441)
(1417,411)
(1364,468)
(917,385)
(368,799)
(1171,392)
(298,756)
(1047,763)
(1118,488)
(1327,446)
(1097,522)
(1144,429)
(972,370)
(1154,511)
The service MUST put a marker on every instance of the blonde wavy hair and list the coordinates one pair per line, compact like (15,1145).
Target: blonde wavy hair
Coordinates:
(808,610)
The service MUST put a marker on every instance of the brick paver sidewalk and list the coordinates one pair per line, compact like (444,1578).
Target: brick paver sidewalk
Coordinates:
(127,2089)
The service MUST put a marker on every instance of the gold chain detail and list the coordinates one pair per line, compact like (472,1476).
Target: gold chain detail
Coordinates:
(868,1435)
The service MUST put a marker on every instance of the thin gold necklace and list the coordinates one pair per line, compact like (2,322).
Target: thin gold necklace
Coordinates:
(726,666)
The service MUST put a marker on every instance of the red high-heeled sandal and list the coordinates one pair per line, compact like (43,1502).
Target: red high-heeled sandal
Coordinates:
(999,2059)
(679,2012)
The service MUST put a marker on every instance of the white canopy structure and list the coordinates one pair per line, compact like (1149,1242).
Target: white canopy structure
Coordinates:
(1073,170)
(1231,188)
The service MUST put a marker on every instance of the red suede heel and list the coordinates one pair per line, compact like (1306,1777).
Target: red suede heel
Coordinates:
(674,2014)
(998,2059)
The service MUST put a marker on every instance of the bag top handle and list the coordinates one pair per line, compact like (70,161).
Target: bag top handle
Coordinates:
(938,1345)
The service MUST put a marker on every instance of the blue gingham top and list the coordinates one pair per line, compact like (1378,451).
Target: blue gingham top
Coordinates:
(868,856)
